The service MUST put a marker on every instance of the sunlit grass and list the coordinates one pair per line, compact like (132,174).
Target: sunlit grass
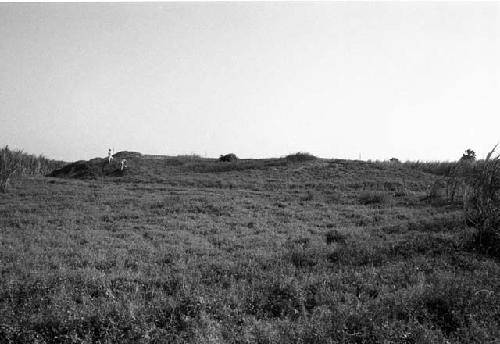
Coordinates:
(251,252)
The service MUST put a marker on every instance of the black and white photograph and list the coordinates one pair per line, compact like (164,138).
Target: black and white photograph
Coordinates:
(250,172)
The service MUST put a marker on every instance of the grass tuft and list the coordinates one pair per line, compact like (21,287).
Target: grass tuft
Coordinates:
(375,197)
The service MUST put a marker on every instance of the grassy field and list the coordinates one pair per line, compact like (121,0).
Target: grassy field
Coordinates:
(187,250)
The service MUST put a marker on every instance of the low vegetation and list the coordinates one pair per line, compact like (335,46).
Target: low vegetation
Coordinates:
(180,250)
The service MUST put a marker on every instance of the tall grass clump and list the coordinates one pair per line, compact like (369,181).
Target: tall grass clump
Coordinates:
(15,163)
(38,165)
(10,165)
(482,202)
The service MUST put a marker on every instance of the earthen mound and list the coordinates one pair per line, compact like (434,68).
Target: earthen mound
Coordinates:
(81,169)
(91,169)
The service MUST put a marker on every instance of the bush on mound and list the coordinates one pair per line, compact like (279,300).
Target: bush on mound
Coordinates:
(127,155)
(228,157)
(300,157)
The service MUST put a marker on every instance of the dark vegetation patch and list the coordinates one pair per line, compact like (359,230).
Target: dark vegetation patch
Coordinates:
(375,197)
(334,236)
(300,157)
(91,169)
(231,157)
(127,155)
(305,257)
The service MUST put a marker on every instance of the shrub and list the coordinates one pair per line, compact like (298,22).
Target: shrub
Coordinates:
(300,157)
(482,202)
(228,157)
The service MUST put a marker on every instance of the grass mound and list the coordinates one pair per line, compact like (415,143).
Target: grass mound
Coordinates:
(81,170)
(91,169)
(300,157)
(98,167)
(127,155)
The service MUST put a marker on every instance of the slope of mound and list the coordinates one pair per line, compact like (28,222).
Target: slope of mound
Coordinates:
(90,169)
(80,169)
(327,176)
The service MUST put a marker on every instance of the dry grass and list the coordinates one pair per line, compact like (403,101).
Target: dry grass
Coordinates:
(258,252)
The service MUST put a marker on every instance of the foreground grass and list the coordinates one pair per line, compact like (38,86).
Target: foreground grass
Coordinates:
(248,252)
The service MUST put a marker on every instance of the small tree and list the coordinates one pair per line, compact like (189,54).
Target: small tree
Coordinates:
(10,165)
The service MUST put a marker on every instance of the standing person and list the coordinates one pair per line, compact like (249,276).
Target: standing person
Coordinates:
(110,156)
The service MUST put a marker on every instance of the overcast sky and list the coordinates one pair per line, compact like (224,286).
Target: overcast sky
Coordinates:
(391,79)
